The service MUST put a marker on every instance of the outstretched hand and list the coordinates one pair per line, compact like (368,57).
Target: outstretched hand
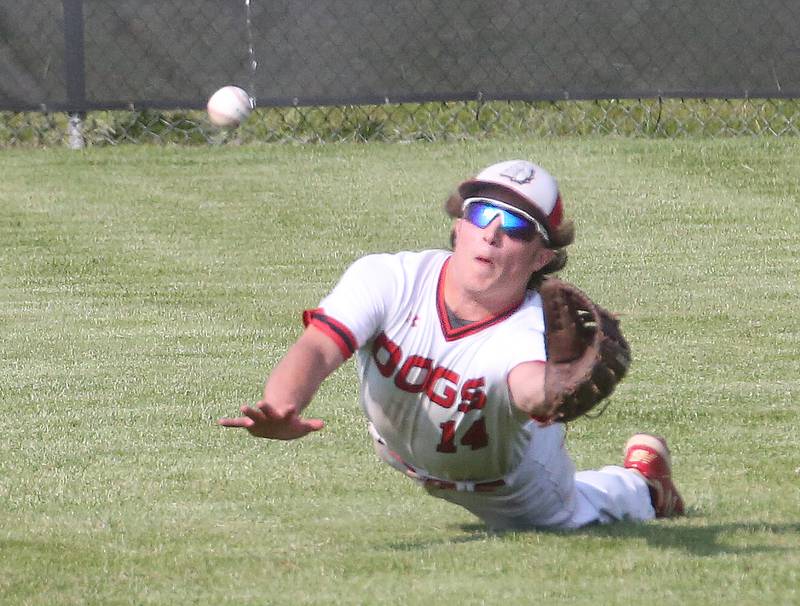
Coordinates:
(264,420)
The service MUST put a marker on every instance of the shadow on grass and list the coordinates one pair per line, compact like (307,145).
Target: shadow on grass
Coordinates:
(715,539)
(741,538)
(706,541)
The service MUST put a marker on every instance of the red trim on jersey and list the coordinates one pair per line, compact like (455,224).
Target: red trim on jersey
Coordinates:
(337,331)
(450,333)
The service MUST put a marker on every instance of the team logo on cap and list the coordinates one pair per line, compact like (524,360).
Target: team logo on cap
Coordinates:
(521,173)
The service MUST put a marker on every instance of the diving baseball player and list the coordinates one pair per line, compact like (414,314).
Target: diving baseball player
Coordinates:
(470,362)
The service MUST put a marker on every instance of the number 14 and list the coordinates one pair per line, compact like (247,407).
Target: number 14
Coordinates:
(475,437)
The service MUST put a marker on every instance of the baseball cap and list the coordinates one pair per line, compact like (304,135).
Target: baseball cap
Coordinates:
(522,184)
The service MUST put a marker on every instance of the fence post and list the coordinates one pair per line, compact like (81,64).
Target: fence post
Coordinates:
(75,70)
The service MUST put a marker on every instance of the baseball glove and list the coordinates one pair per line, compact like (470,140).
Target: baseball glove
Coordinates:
(586,353)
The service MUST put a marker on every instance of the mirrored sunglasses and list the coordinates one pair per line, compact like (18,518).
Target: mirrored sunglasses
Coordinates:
(514,222)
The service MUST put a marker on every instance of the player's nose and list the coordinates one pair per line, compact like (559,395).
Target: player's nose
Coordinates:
(494,231)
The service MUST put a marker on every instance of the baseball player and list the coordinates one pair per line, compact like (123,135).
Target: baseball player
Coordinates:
(462,367)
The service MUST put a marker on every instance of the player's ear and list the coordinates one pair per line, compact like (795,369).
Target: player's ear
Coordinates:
(455,231)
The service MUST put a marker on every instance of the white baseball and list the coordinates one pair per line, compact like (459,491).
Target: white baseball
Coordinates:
(229,106)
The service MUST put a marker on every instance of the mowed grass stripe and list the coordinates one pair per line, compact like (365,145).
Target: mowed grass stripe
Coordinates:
(146,291)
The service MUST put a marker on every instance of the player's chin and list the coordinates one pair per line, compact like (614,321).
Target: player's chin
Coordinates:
(484,282)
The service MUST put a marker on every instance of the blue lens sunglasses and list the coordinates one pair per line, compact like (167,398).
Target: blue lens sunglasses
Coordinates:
(516,223)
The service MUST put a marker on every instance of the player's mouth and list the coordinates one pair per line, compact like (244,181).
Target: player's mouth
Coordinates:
(484,260)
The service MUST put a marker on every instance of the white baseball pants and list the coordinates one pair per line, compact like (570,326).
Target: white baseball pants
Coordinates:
(545,492)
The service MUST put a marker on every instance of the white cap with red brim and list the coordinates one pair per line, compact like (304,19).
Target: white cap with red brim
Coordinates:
(521,184)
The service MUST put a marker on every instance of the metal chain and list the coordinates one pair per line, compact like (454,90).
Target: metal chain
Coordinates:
(413,121)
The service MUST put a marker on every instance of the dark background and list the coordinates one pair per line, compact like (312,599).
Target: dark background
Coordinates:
(81,54)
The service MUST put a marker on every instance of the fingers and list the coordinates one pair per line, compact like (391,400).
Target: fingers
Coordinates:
(314,424)
(256,414)
(265,421)
(270,411)
(235,422)
(250,417)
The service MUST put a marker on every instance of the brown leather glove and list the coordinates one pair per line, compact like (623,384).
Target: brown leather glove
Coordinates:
(586,353)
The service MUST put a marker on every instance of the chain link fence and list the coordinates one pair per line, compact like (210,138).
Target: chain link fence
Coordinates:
(414,121)
(99,73)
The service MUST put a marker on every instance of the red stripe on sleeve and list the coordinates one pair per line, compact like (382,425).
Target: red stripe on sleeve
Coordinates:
(338,332)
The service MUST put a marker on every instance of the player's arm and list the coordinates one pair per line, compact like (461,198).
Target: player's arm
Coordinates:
(526,384)
(290,388)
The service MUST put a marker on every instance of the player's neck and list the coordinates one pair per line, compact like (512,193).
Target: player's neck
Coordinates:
(478,305)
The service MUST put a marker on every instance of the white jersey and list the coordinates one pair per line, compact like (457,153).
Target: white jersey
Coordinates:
(437,394)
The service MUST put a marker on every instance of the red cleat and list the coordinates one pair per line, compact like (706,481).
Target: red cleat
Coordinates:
(649,456)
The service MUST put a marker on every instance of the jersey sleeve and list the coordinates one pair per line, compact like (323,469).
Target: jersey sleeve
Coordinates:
(527,346)
(356,308)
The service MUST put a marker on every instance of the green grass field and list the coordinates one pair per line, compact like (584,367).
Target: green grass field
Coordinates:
(146,291)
